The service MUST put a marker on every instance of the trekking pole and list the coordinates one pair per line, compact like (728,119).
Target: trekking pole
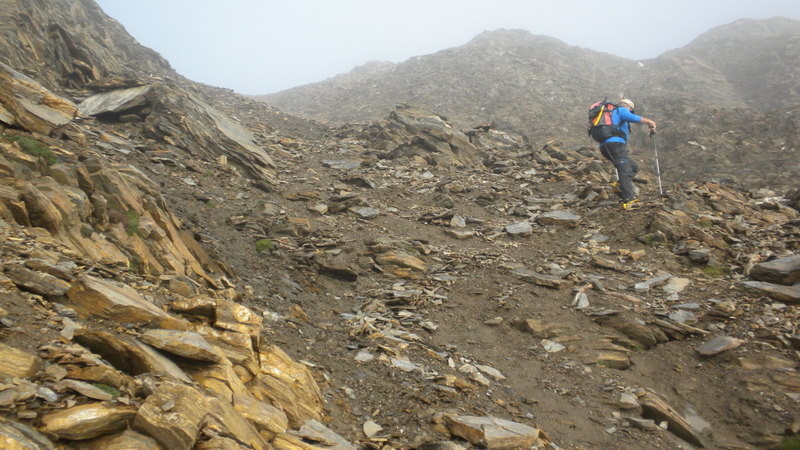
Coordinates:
(658,169)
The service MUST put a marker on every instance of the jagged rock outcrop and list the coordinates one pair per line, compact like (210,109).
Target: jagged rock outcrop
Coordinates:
(412,133)
(203,377)
(25,103)
(71,44)
(109,215)
(180,119)
(254,397)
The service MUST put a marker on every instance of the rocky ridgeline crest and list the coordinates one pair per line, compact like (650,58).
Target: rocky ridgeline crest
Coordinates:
(166,246)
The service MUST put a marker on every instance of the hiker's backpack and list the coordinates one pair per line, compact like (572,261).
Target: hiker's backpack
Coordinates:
(601,127)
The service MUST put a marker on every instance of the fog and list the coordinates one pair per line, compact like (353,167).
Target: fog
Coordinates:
(264,46)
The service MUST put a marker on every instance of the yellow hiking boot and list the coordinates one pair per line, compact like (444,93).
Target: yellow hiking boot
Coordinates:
(633,204)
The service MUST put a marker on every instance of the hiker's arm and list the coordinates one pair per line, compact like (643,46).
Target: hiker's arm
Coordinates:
(650,123)
(626,115)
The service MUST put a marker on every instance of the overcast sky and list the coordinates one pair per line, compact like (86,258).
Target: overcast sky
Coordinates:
(264,46)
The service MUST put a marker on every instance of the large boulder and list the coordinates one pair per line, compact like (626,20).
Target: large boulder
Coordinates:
(780,271)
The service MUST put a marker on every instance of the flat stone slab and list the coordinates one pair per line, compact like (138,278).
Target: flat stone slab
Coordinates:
(786,294)
(342,164)
(459,234)
(613,360)
(558,217)
(183,343)
(315,431)
(656,408)
(542,279)
(87,421)
(519,229)
(604,263)
(676,285)
(780,271)
(645,286)
(37,282)
(718,345)
(364,212)
(119,303)
(115,101)
(491,432)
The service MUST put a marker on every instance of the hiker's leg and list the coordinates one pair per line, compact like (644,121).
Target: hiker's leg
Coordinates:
(604,150)
(626,168)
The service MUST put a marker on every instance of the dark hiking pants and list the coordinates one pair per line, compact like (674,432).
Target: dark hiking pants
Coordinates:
(617,153)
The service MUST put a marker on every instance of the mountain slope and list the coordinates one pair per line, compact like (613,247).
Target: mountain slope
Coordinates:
(747,63)
(181,267)
(757,57)
(711,92)
(527,82)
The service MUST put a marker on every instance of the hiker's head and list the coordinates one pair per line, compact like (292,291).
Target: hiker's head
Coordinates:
(627,103)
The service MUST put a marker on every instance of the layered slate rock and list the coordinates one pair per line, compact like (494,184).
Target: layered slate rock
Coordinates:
(718,345)
(558,217)
(266,418)
(784,271)
(653,406)
(173,415)
(98,211)
(115,102)
(413,133)
(83,46)
(541,279)
(16,363)
(14,435)
(120,303)
(183,120)
(787,294)
(87,421)
(130,356)
(25,103)
(492,433)
(37,282)
(182,343)
(288,385)
(225,420)
(127,440)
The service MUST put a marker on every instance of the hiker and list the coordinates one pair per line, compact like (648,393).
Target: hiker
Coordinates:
(615,150)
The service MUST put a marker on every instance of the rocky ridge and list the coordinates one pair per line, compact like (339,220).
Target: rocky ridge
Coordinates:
(406,284)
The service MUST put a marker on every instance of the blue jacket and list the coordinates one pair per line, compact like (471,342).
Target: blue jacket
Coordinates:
(622,117)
